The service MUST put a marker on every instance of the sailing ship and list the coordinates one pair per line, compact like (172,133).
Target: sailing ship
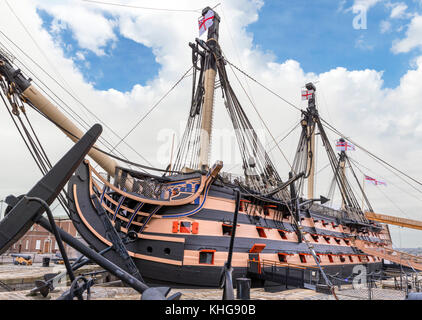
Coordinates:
(179,222)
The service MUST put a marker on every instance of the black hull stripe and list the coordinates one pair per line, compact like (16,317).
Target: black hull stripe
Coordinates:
(224,216)
(221,243)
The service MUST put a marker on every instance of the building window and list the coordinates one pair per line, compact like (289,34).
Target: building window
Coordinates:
(27,245)
(261,232)
(342,259)
(337,240)
(330,258)
(227,230)
(327,239)
(302,258)
(351,258)
(185,227)
(206,256)
(38,245)
(346,241)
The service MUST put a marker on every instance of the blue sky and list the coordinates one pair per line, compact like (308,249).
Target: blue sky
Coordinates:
(317,34)
(124,64)
(320,35)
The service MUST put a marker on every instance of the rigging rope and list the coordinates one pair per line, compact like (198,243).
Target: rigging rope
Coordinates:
(330,127)
(82,121)
(262,120)
(152,108)
(105,152)
(37,151)
(144,8)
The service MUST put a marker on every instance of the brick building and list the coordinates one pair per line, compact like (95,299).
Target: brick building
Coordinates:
(39,240)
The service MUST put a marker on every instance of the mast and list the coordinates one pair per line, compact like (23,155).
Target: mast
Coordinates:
(342,172)
(23,86)
(209,84)
(311,126)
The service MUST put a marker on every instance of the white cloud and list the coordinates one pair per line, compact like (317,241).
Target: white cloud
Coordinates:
(366,3)
(413,38)
(363,44)
(399,11)
(385,26)
(91,29)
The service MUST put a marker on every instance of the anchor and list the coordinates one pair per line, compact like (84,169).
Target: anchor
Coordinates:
(24,211)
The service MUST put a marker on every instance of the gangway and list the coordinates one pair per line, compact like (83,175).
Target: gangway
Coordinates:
(288,274)
(392,255)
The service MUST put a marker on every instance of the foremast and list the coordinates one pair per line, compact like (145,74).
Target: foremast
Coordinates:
(310,122)
(209,86)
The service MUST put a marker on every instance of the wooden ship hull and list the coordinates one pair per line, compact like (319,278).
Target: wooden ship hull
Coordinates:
(188,244)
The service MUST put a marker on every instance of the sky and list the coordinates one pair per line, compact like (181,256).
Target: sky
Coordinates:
(118,61)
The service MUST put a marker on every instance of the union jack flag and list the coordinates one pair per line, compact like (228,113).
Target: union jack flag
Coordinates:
(375,181)
(343,145)
(205,22)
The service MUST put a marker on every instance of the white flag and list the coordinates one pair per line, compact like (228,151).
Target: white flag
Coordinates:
(307,94)
(206,22)
(342,145)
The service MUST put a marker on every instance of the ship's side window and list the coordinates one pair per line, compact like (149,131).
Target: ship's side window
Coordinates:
(315,237)
(206,256)
(185,227)
(227,229)
(282,257)
(243,205)
(261,232)
(282,234)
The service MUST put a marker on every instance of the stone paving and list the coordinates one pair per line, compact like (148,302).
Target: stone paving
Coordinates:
(123,293)
(23,278)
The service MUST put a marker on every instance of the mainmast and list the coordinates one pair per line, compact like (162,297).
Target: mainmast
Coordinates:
(209,84)
(311,126)
(342,170)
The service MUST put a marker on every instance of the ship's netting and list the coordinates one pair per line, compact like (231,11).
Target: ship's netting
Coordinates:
(147,186)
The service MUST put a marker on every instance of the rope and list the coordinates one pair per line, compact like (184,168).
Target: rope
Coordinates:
(153,108)
(144,8)
(81,120)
